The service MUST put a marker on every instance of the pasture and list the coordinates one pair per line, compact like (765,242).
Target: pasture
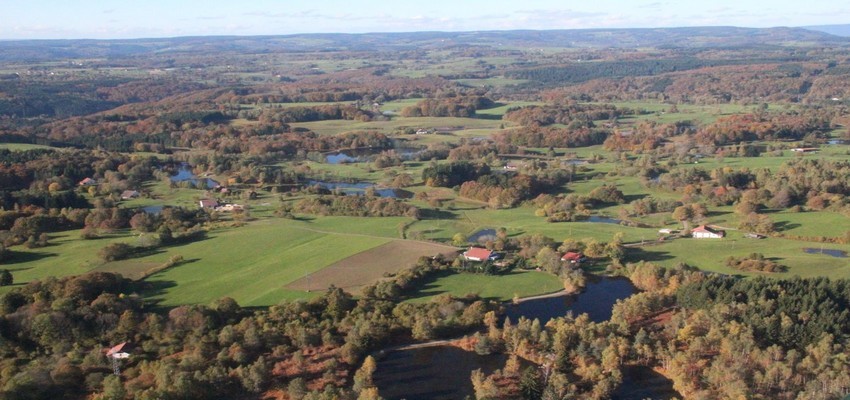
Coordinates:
(494,287)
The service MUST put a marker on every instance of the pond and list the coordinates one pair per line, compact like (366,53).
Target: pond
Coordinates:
(641,382)
(443,372)
(830,252)
(482,236)
(359,189)
(185,174)
(838,141)
(367,154)
(439,372)
(153,210)
(596,300)
(603,220)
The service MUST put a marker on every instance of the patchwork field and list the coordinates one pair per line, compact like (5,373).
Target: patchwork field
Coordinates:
(369,266)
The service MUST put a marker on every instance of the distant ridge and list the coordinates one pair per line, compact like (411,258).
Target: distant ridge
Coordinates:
(690,37)
(837,30)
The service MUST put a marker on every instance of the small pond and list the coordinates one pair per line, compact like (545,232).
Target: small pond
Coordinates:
(365,155)
(596,300)
(838,141)
(439,372)
(359,188)
(153,210)
(641,382)
(829,252)
(603,220)
(185,174)
(482,236)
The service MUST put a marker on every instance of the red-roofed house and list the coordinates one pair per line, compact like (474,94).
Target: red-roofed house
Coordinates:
(573,257)
(120,351)
(88,182)
(704,232)
(479,254)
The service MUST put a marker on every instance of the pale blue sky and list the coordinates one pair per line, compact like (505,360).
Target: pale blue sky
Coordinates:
(51,19)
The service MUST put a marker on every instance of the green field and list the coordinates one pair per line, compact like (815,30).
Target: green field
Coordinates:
(253,264)
(24,146)
(709,255)
(494,287)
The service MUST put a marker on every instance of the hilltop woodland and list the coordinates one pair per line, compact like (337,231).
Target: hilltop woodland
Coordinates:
(129,173)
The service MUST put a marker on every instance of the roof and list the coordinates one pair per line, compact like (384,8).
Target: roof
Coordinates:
(703,228)
(129,193)
(572,256)
(478,252)
(87,181)
(209,203)
(121,348)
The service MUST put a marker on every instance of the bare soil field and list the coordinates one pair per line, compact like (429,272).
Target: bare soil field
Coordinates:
(369,266)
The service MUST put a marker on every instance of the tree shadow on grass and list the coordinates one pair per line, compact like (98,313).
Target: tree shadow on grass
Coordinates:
(636,254)
(432,213)
(632,197)
(785,226)
(717,213)
(21,257)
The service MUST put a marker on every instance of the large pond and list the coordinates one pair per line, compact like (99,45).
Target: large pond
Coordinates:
(185,174)
(596,300)
(643,383)
(439,372)
(359,188)
(368,154)
(443,372)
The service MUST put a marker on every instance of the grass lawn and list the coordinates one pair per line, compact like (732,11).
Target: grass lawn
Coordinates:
(710,255)
(495,287)
(812,223)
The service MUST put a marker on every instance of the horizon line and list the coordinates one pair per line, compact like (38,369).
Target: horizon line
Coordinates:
(806,27)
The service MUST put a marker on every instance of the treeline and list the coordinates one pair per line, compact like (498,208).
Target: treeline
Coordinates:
(645,135)
(585,71)
(461,106)
(766,126)
(28,98)
(288,115)
(356,206)
(575,115)
(816,184)
(811,83)
(551,137)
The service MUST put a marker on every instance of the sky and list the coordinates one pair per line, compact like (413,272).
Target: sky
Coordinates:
(118,19)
